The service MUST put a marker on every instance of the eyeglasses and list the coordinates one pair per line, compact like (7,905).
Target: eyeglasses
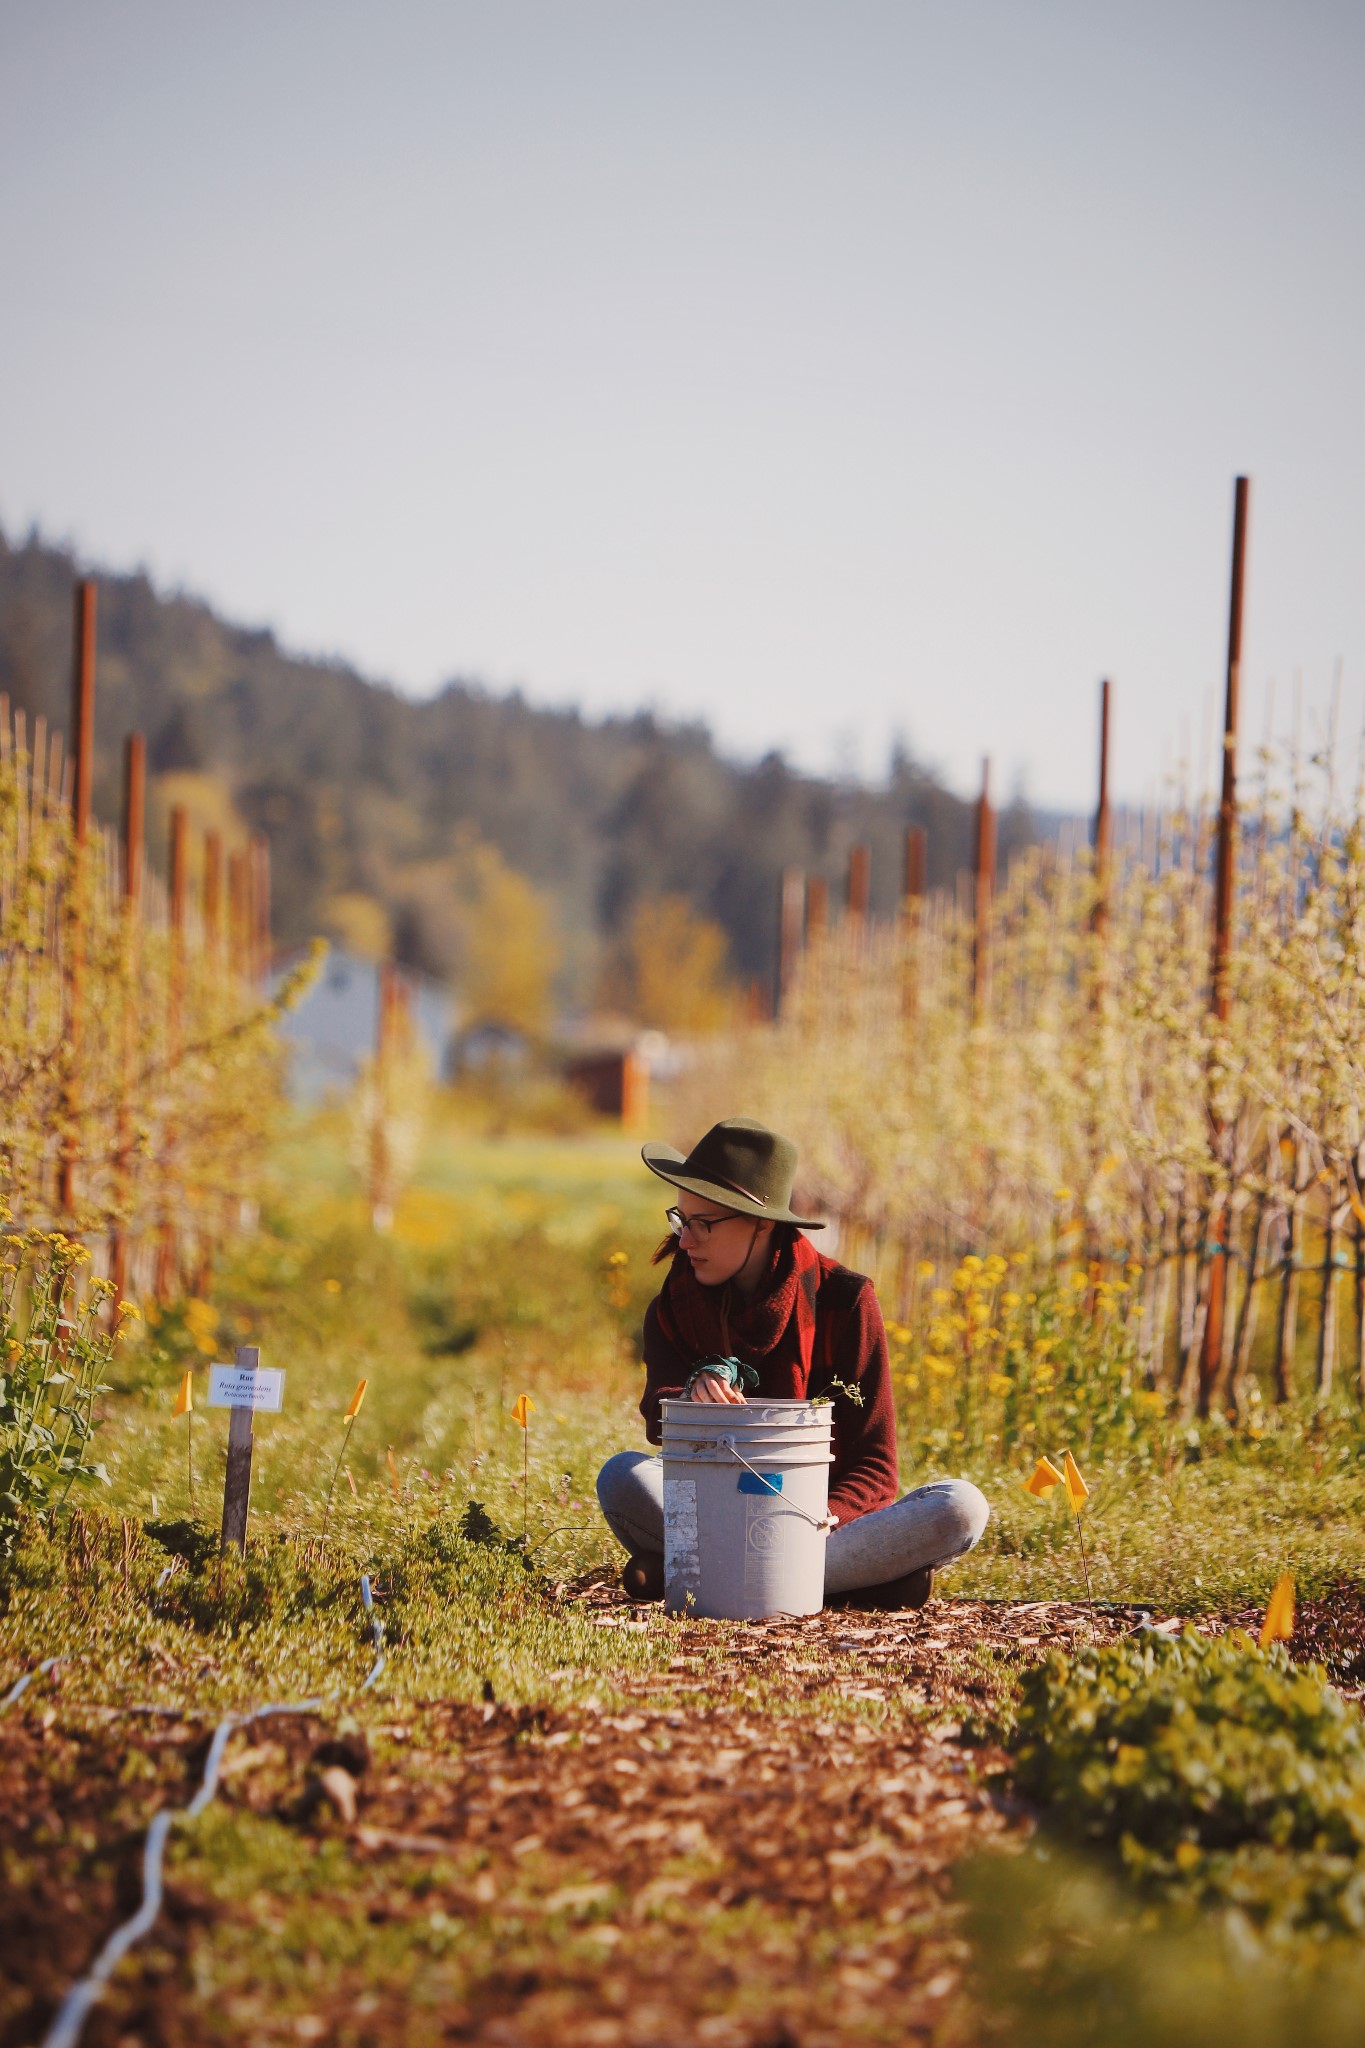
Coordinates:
(700,1226)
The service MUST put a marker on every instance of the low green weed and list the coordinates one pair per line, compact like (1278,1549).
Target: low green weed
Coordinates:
(1068,1955)
(56,1344)
(1223,1775)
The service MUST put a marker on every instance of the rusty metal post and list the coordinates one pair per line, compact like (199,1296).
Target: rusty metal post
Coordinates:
(134,820)
(1104,830)
(791,921)
(817,908)
(134,812)
(985,892)
(916,849)
(179,900)
(912,906)
(859,882)
(213,892)
(236,920)
(251,967)
(259,856)
(83,710)
(1211,1355)
(82,762)
(167,1273)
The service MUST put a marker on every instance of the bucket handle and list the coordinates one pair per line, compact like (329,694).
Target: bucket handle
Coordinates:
(727,1443)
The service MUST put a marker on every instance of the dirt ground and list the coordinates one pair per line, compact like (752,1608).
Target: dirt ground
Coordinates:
(767,1866)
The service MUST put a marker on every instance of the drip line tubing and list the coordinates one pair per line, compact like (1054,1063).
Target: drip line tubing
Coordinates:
(76,2006)
(21,1685)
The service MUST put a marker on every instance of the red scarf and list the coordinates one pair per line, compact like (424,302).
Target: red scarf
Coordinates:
(773,1328)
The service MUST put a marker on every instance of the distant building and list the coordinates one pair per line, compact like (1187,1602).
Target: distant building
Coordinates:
(333,1029)
(610,1062)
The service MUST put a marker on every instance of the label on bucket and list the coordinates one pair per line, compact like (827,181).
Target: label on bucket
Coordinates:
(760,1482)
(765,1547)
(682,1559)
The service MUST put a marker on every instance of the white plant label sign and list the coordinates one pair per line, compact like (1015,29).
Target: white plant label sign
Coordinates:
(242,1386)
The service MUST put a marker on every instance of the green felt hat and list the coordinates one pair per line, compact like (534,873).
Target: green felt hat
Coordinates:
(740,1164)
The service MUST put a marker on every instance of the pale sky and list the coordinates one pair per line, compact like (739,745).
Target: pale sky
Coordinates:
(824,371)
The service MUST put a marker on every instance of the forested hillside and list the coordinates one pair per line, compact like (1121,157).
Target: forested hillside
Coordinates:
(372,802)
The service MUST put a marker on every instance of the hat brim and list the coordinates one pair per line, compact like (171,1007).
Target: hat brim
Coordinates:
(663,1160)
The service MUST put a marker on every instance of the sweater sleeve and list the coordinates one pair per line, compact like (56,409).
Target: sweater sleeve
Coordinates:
(665,1371)
(866,1473)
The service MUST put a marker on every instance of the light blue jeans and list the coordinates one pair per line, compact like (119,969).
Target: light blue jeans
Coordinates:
(930,1526)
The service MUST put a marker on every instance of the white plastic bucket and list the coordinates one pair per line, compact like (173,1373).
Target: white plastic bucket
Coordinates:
(746,1507)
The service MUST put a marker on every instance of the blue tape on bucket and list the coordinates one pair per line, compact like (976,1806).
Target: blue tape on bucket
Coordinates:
(760,1482)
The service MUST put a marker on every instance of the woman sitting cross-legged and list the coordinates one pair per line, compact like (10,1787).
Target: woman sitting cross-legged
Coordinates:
(749,1304)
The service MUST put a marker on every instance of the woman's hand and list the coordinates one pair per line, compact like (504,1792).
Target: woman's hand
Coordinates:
(709,1386)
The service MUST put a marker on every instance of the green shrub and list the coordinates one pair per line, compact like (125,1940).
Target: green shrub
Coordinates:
(1067,1955)
(1220,1773)
(279,1579)
(55,1350)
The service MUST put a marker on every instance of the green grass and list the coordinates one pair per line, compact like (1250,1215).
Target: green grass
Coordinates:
(495,1281)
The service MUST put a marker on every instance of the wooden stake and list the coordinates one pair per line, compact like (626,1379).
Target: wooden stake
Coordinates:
(791,921)
(1211,1355)
(236,922)
(985,891)
(912,911)
(237,1482)
(259,856)
(167,1274)
(82,751)
(817,908)
(213,891)
(1103,822)
(134,808)
(859,882)
(916,855)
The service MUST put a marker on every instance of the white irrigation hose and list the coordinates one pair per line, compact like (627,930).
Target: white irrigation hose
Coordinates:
(75,2007)
(21,1685)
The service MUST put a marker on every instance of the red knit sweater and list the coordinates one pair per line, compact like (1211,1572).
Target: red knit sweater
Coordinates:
(850,1345)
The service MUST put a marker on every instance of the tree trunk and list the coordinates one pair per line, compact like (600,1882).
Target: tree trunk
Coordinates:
(1289,1303)
(1165,1277)
(1327,1329)
(1246,1314)
(1189,1337)
(1194,1309)
(1149,1324)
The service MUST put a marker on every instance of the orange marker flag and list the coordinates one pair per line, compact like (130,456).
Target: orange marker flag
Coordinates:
(1077,1492)
(349,1419)
(1045,1477)
(521,1412)
(1279,1615)
(184,1405)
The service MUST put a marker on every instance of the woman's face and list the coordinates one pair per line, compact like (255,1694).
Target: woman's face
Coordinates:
(734,1248)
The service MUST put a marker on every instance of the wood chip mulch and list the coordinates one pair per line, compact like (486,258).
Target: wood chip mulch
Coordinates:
(769,1870)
